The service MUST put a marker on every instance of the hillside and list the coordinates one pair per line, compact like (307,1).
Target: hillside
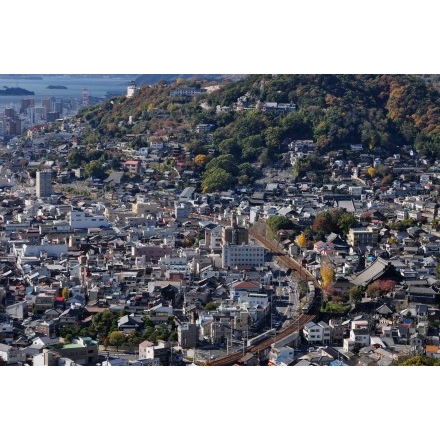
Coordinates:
(253,118)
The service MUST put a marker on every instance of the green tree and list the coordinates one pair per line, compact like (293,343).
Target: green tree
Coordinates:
(226,162)
(374,290)
(272,137)
(346,221)
(116,338)
(229,146)
(95,169)
(277,222)
(419,361)
(355,294)
(75,158)
(210,306)
(251,147)
(217,179)
(437,271)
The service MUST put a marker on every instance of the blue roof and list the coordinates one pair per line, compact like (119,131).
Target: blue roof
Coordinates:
(337,364)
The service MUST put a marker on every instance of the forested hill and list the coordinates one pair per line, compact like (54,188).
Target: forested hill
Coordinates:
(333,110)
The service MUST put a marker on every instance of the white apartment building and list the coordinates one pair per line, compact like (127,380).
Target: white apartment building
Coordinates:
(80,220)
(241,256)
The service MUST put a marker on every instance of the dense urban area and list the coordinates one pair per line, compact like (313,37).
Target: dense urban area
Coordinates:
(243,220)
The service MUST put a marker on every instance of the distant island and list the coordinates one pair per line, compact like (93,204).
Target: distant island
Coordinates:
(55,87)
(15,76)
(14,91)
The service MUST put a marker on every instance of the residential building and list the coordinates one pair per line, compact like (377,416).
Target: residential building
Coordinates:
(361,237)
(242,256)
(187,335)
(133,166)
(235,234)
(43,183)
(78,219)
(82,350)
(313,333)
(160,351)
(12,355)
(187,91)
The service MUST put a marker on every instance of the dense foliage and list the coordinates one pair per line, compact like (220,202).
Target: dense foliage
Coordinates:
(333,110)
(420,361)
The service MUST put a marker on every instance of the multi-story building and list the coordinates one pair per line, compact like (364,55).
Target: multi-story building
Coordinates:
(82,350)
(131,89)
(187,91)
(160,351)
(187,335)
(235,235)
(11,355)
(182,210)
(44,183)
(144,209)
(43,302)
(133,166)
(242,256)
(79,219)
(214,239)
(338,330)
(37,115)
(326,333)
(363,236)
(151,252)
(26,103)
(250,293)
(359,337)
(52,116)
(313,333)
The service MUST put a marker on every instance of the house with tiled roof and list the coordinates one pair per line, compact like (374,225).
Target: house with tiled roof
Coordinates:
(432,351)
(380,269)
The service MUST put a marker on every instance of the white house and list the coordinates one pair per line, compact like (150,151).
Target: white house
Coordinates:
(12,355)
(313,333)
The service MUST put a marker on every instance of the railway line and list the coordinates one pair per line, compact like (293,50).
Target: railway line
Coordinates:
(295,326)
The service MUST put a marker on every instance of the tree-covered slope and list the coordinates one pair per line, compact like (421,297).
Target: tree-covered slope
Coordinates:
(333,110)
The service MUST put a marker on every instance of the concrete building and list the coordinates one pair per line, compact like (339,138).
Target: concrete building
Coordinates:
(44,183)
(187,335)
(79,219)
(242,256)
(363,236)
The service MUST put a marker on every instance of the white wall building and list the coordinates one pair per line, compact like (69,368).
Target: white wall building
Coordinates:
(243,255)
(79,219)
(313,333)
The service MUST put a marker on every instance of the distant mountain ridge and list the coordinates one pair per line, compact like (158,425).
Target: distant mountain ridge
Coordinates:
(150,79)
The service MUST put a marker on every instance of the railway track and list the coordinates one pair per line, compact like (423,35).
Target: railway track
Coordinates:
(298,325)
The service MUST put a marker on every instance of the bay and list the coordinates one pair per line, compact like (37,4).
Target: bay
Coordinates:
(96,86)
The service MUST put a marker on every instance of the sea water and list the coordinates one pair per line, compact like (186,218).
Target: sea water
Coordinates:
(94,86)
